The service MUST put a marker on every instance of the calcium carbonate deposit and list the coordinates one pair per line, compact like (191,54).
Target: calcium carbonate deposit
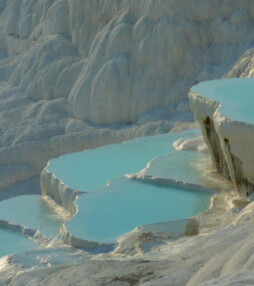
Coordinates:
(224,111)
(79,74)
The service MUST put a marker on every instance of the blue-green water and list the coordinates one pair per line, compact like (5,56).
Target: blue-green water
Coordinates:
(107,212)
(236,96)
(31,211)
(92,169)
(12,242)
(119,208)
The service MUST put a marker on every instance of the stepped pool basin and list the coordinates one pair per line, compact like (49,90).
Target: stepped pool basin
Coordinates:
(235,95)
(31,211)
(106,212)
(13,242)
(92,169)
(125,204)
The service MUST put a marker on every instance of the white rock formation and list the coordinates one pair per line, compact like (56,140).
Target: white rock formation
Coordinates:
(193,144)
(63,195)
(105,62)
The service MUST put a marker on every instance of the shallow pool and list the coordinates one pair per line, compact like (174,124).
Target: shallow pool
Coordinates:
(236,96)
(31,211)
(125,204)
(92,169)
(185,166)
(179,166)
(13,242)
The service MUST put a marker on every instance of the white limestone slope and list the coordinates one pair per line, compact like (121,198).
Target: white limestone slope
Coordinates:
(67,65)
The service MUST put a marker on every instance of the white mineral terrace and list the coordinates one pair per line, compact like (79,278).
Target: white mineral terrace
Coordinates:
(107,199)
(224,109)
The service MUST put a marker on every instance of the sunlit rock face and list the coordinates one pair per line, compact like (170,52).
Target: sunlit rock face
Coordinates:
(144,55)
(224,111)
(67,66)
(116,60)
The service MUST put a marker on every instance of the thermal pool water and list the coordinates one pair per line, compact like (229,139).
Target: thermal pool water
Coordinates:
(13,242)
(125,204)
(31,211)
(92,169)
(114,204)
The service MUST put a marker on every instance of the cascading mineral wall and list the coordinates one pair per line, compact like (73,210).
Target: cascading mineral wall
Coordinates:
(230,143)
(204,109)
(62,194)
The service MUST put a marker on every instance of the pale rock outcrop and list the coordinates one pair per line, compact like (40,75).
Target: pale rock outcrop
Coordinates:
(58,191)
(244,67)
(193,144)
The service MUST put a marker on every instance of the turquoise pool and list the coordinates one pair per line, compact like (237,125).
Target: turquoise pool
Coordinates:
(125,204)
(92,169)
(107,212)
(31,211)
(13,242)
(180,166)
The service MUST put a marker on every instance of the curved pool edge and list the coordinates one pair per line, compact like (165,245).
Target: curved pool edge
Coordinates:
(77,242)
(29,233)
(155,229)
(171,183)
(162,230)
(167,229)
